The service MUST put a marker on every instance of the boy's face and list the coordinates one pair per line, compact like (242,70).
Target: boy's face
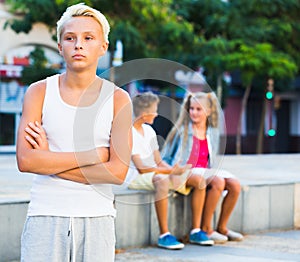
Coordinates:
(150,114)
(82,42)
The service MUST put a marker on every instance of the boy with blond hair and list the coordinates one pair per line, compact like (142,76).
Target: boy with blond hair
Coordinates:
(71,135)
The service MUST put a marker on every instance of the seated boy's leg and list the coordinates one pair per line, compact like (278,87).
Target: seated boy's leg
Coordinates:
(178,183)
(161,184)
(198,183)
(143,182)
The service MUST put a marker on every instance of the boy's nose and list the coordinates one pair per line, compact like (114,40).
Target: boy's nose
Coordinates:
(78,44)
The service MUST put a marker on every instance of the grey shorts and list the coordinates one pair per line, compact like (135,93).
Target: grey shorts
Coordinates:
(64,239)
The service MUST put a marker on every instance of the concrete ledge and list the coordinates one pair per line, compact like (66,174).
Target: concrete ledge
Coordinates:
(262,208)
(270,199)
(12,218)
(259,208)
(297,206)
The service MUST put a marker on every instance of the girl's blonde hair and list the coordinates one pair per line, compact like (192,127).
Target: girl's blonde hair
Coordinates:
(83,10)
(143,101)
(184,117)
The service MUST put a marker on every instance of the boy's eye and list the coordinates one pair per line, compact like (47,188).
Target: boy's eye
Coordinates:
(69,38)
(89,38)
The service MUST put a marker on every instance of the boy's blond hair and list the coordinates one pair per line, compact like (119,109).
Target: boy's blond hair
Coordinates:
(142,102)
(83,10)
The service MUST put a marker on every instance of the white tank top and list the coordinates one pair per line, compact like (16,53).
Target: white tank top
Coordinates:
(71,128)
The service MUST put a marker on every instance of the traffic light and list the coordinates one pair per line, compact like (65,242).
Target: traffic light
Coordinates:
(270,108)
(271,132)
(269,95)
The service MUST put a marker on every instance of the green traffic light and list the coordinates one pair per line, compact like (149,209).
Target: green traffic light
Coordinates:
(269,95)
(271,132)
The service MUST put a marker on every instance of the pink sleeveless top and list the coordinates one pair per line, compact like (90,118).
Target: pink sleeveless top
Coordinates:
(199,154)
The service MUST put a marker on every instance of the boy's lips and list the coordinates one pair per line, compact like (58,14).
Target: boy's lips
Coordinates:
(78,56)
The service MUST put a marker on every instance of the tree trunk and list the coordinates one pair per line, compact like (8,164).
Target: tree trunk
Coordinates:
(260,137)
(239,127)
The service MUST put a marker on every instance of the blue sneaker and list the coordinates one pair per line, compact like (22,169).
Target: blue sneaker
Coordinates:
(170,242)
(201,238)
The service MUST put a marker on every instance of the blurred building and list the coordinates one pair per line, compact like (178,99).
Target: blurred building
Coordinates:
(14,55)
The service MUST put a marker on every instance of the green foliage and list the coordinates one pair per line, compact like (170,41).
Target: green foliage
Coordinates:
(275,22)
(38,58)
(134,44)
(33,11)
(32,74)
(260,37)
(38,69)
(259,60)
(209,17)
(213,52)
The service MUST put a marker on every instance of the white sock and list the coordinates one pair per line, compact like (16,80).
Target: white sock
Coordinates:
(195,230)
(165,234)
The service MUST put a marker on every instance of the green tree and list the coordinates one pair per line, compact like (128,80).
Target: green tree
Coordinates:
(209,17)
(260,38)
(38,69)
(213,53)
(275,22)
(30,12)
(147,28)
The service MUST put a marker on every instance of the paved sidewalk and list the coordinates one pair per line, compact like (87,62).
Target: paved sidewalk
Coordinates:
(264,247)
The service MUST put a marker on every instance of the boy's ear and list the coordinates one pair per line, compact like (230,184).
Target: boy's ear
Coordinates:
(59,48)
(105,46)
(144,114)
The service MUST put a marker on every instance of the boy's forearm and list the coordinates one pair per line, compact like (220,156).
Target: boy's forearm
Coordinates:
(48,163)
(163,170)
(74,175)
(103,173)
(164,164)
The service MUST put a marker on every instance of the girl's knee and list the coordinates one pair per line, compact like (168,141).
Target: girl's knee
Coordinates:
(216,183)
(233,186)
(196,181)
(200,182)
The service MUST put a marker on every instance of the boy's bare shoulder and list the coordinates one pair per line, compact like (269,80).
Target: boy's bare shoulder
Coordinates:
(35,92)
(37,88)
(120,95)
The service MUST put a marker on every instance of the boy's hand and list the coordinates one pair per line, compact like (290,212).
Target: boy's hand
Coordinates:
(36,136)
(179,170)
